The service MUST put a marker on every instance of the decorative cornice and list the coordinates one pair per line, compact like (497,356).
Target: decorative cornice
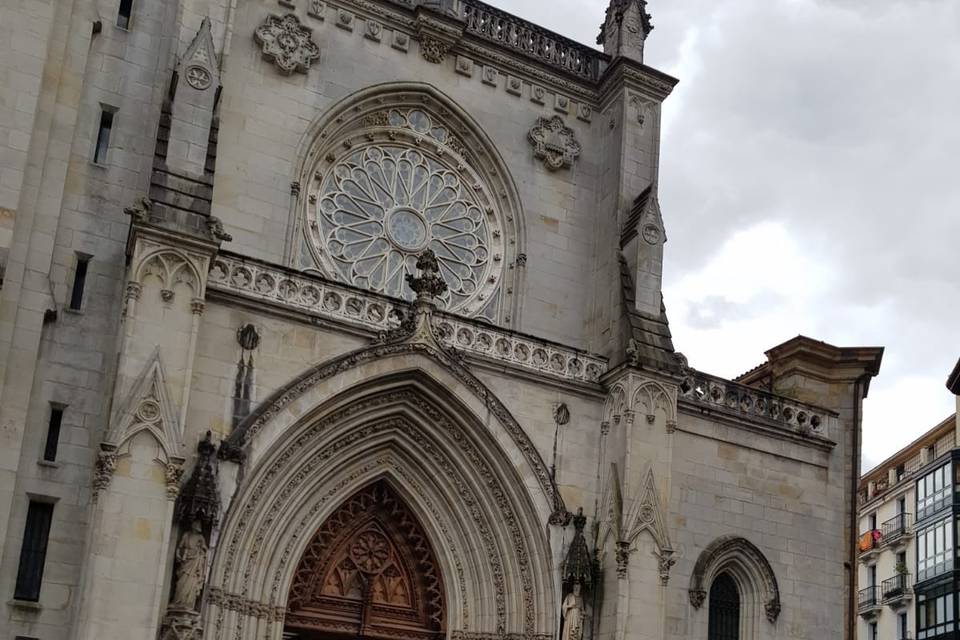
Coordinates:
(312,295)
(491,343)
(375,314)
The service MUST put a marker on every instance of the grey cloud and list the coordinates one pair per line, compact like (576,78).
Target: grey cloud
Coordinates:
(837,118)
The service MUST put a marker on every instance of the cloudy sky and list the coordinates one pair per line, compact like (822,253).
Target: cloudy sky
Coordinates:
(810,183)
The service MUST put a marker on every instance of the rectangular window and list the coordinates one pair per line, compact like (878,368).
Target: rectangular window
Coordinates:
(933,492)
(935,550)
(935,614)
(873,631)
(873,521)
(902,627)
(123,14)
(79,282)
(33,552)
(103,135)
(53,433)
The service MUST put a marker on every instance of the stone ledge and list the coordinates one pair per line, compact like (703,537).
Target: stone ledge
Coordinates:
(375,314)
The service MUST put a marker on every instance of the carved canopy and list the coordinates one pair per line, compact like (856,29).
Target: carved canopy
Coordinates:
(368,572)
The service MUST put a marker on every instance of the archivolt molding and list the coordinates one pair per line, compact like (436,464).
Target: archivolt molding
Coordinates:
(247,431)
(453,143)
(486,532)
(748,567)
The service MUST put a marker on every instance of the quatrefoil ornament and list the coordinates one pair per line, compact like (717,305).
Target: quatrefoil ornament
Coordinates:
(287,43)
(554,143)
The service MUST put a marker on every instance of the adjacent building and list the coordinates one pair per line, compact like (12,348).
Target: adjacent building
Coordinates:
(908,544)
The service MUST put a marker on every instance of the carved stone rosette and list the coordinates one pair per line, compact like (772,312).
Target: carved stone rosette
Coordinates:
(555,143)
(287,43)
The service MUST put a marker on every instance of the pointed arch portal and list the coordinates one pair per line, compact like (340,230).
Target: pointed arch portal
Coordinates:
(451,541)
(369,572)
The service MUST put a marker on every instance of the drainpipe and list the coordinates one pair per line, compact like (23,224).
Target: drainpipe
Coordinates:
(851,564)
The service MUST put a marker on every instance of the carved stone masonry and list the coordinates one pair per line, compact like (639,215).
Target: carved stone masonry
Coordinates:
(554,143)
(103,470)
(287,43)
(665,562)
(623,558)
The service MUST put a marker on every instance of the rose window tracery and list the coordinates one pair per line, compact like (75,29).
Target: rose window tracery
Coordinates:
(394,176)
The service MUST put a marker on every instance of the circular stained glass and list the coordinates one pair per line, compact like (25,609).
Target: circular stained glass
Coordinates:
(380,206)
(407,229)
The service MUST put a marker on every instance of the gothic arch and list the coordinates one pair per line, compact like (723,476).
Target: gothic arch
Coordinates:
(750,570)
(170,267)
(405,418)
(368,126)
(369,570)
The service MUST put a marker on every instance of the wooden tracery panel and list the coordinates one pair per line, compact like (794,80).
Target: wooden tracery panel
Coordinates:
(369,572)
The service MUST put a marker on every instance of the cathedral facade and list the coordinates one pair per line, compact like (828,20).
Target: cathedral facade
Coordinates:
(343,319)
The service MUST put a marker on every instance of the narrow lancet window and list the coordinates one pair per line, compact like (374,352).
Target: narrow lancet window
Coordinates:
(33,551)
(724,609)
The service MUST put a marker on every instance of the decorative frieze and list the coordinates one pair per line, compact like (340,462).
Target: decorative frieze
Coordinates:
(324,299)
(524,352)
(311,295)
(716,393)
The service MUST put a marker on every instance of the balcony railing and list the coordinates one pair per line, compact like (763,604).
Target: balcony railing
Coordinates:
(867,598)
(897,526)
(896,589)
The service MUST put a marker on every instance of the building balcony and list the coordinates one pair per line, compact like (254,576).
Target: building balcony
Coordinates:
(897,531)
(897,591)
(868,602)
(869,545)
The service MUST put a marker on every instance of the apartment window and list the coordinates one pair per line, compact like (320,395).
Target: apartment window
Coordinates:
(935,613)
(935,550)
(103,135)
(33,552)
(53,433)
(901,471)
(873,521)
(79,282)
(901,506)
(873,631)
(123,14)
(902,631)
(933,491)
(873,576)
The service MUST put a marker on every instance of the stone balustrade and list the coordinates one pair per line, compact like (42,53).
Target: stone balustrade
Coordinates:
(713,392)
(317,296)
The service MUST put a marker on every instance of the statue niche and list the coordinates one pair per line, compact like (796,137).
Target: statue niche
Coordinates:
(368,572)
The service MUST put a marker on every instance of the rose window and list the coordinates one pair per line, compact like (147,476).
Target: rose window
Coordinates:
(380,206)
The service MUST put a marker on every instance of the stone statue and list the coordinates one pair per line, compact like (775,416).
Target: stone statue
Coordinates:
(573,615)
(191,567)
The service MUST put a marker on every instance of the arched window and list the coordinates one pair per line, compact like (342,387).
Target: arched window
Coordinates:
(736,580)
(724,609)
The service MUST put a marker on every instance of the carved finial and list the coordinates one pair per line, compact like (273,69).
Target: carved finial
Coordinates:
(427,284)
(625,29)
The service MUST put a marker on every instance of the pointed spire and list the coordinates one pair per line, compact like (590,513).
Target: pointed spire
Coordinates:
(625,29)
(200,496)
(578,566)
